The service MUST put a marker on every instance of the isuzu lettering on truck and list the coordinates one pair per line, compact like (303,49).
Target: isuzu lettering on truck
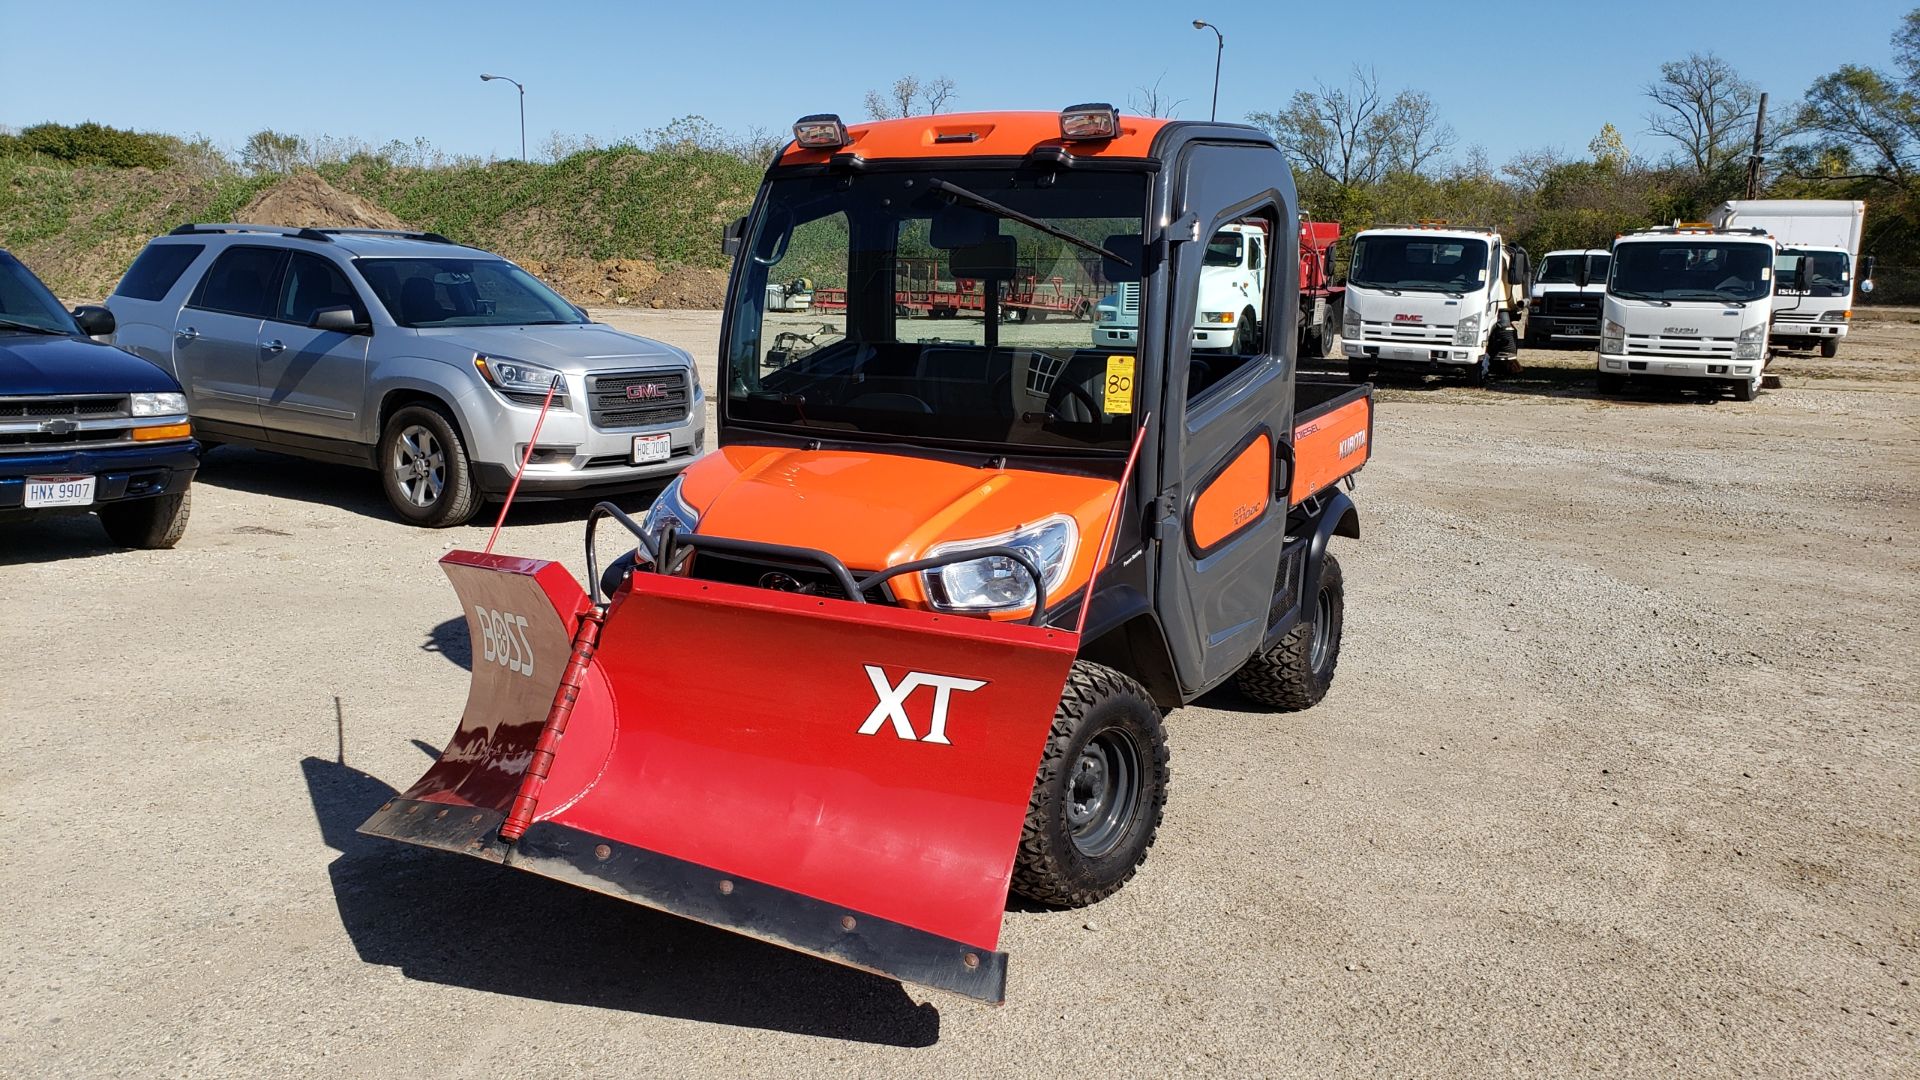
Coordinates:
(1688,301)
(1432,298)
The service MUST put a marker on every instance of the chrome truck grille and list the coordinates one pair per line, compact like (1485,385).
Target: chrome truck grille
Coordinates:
(76,422)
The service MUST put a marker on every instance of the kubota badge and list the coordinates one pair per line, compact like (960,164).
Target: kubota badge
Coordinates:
(1119,395)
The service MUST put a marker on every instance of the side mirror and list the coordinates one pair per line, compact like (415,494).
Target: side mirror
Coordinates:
(94,320)
(1866,276)
(1803,274)
(1584,273)
(580,311)
(339,320)
(735,236)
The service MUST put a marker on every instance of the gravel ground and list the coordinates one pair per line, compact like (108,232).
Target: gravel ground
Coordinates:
(1619,775)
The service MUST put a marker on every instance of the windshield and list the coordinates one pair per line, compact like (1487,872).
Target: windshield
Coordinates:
(1828,269)
(463,292)
(25,304)
(1685,268)
(894,303)
(1564,269)
(1225,249)
(1418,263)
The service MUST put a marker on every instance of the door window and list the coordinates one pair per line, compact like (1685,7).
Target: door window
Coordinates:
(312,284)
(1231,303)
(241,282)
(152,275)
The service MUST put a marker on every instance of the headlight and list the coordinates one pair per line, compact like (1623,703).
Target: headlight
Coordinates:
(1835,316)
(1349,323)
(670,509)
(997,583)
(521,382)
(1467,331)
(1218,317)
(1613,337)
(1748,350)
(159,404)
(1753,334)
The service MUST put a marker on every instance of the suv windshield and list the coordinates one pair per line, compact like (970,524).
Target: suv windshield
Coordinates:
(1828,268)
(1418,263)
(463,292)
(25,304)
(1688,269)
(1565,269)
(894,303)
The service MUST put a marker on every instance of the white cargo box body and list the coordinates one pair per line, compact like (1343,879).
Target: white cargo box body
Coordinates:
(1825,223)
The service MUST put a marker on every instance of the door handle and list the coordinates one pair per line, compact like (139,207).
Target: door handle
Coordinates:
(186,335)
(274,346)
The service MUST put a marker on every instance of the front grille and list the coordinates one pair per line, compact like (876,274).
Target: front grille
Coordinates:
(612,406)
(44,408)
(811,580)
(1570,306)
(1418,333)
(1680,348)
(1796,316)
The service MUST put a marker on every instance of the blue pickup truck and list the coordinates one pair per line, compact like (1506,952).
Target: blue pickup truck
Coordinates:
(84,426)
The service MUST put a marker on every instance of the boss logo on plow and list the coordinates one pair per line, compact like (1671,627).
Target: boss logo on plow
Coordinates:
(503,639)
(892,705)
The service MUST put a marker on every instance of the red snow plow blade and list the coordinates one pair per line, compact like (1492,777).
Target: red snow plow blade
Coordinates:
(843,778)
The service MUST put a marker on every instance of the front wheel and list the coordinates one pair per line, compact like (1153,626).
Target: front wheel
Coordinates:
(154,523)
(1830,347)
(1358,372)
(1478,374)
(1747,389)
(1609,382)
(424,469)
(1099,793)
(1246,336)
(1295,673)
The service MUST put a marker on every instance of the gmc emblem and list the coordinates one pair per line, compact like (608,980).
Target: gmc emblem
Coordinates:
(646,392)
(1409,318)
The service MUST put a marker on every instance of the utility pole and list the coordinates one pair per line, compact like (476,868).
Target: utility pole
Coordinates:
(1753,162)
(523,109)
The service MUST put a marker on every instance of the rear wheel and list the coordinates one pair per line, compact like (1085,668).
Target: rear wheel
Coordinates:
(1099,794)
(424,469)
(154,523)
(1296,672)
(1830,347)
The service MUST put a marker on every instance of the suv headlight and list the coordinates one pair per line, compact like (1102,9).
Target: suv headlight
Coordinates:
(670,508)
(997,583)
(163,404)
(520,382)
(1467,330)
(1613,337)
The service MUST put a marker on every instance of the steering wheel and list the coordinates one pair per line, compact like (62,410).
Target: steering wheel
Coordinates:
(1064,388)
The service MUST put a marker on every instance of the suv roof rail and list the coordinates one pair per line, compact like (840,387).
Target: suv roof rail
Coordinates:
(404,234)
(192,228)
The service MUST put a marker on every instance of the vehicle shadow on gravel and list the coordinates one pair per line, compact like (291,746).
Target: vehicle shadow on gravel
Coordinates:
(441,918)
(258,472)
(56,539)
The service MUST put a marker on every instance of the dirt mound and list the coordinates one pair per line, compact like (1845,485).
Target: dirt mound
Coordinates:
(303,200)
(634,282)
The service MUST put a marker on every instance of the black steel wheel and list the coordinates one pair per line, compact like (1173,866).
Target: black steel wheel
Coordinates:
(1297,671)
(1099,793)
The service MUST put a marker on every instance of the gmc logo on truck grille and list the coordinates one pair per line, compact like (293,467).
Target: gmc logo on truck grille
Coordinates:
(1409,318)
(646,392)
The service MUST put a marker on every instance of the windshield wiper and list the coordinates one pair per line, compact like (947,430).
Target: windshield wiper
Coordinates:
(1648,297)
(1011,214)
(1372,285)
(32,328)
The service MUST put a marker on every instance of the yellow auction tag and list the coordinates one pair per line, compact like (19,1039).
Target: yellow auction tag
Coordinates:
(1119,395)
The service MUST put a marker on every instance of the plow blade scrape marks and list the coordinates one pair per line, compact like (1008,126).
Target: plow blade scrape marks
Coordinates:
(846,779)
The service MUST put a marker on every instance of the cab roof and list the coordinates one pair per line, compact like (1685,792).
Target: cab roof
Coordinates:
(977,135)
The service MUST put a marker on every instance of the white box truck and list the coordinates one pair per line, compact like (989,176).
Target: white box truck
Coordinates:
(1688,301)
(1432,297)
(1823,235)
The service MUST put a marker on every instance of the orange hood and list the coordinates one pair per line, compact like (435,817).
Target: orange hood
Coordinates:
(874,510)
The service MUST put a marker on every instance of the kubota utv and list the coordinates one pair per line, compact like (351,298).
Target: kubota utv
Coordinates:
(906,639)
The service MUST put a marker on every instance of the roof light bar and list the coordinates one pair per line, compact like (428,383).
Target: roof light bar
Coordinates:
(1089,122)
(821,131)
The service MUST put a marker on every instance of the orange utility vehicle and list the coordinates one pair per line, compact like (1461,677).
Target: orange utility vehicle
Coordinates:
(906,640)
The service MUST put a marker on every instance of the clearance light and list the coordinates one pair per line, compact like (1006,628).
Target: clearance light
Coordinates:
(1088,122)
(164,431)
(821,131)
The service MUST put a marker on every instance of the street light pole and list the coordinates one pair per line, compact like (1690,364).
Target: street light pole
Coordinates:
(523,108)
(1219,46)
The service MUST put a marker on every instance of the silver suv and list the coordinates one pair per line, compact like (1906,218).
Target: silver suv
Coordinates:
(409,354)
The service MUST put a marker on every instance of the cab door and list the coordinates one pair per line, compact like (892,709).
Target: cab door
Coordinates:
(1221,510)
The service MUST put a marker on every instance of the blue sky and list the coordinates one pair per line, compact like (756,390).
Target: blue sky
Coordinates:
(1508,76)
